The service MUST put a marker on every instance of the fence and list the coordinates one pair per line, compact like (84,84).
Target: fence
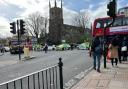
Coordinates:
(49,78)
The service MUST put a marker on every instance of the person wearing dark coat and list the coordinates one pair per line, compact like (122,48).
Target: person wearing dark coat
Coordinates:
(119,48)
(124,43)
(96,50)
(46,48)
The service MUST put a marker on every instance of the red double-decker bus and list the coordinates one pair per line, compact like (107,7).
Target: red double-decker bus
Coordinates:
(119,27)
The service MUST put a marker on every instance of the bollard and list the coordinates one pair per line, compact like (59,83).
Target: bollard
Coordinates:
(60,64)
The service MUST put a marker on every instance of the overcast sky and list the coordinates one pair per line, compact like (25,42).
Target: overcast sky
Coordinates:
(11,10)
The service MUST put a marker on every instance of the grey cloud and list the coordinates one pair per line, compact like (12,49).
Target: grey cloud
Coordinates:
(10,11)
(37,1)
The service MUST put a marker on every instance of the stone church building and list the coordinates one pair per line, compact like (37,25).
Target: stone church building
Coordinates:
(59,31)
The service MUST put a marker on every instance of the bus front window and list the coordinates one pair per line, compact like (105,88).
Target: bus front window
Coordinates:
(125,21)
(107,22)
(99,24)
(118,22)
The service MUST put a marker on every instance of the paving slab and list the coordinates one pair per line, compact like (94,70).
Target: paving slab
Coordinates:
(109,78)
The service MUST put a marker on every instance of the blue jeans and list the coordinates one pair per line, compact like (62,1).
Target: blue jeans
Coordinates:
(96,60)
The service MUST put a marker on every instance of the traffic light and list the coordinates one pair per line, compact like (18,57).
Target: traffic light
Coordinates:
(13,27)
(111,9)
(22,27)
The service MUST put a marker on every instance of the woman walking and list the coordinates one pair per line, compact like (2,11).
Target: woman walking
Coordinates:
(113,48)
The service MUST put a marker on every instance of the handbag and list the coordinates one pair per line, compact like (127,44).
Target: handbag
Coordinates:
(124,48)
(108,55)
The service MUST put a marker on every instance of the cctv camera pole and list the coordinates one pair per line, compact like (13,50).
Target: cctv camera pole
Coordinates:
(18,33)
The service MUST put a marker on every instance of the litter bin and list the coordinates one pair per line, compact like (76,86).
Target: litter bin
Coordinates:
(26,52)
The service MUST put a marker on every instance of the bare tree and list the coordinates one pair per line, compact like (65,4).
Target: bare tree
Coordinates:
(82,19)
(36,25)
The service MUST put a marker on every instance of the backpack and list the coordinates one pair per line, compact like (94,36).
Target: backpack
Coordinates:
(99,49)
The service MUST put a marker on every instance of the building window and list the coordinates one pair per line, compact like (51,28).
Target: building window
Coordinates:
(52,13)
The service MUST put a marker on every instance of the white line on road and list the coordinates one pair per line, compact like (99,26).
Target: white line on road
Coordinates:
(76,78)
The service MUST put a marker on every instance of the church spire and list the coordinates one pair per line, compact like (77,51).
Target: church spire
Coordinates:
(55,4)
(61,4)
(61,8)
(49,4)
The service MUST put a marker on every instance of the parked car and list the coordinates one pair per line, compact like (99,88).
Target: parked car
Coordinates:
(51,47)
(6,49)
(15,49)
(83,46)
(37,47)
(64,46)
(14,46)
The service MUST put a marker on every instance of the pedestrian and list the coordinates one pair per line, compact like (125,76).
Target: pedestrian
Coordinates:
(119,48)
(113,48)
(72,47)
(124,49)
(96,51)
(2,49)
(46,48)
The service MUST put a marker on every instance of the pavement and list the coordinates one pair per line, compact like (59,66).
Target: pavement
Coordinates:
(109,78)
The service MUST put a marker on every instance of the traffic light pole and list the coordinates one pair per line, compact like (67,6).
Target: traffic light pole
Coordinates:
(112,13)
(104,43)
(104,47)
(18,33)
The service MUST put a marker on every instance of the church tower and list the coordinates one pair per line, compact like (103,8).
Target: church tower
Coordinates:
(55,23)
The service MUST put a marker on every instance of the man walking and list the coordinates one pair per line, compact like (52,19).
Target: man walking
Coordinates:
(96,50)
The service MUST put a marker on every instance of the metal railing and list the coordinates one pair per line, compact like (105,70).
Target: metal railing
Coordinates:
(49,78)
